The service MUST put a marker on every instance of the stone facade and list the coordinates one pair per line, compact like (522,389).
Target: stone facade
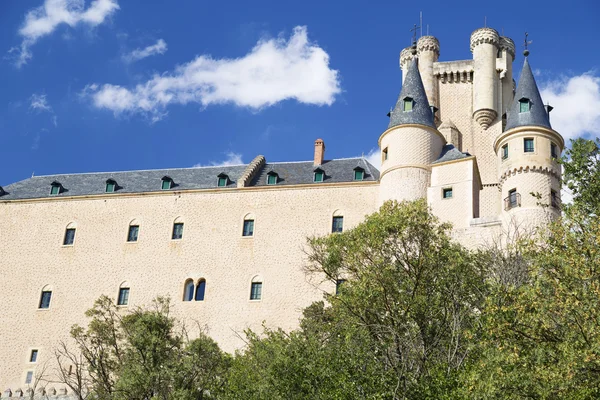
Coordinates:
(456,161)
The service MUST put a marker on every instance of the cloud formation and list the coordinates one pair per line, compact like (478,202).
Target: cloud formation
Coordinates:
(39,102)
(231,158)
(160,47)
(374,157)
(43,20)
(273,71)
(576,102)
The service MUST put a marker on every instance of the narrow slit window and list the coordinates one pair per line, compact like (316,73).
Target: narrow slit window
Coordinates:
(45,299)
(69,237)
(177,230)
(337,224)
(123,296)
(505,152)
(385,154)
(553,151)
(132,235)
(188,291)
(200,290)
(248,227)
(33,356)
(256,291)
(29,377)
(528,145)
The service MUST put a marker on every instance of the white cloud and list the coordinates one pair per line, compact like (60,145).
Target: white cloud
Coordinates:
(39,102)
(43,20)
(374,157)
(273,71)
(231,158)
(576,102)
(160,47)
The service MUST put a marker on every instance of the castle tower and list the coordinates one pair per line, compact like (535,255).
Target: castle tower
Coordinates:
(484,46)
(406,56)
(428,51)
(527,152)
(507,53)
(410,144)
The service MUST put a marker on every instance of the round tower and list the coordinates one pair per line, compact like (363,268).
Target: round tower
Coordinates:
(410,144)
(527,151)
(507,49)
(428,51)
(484,46)
(406,56)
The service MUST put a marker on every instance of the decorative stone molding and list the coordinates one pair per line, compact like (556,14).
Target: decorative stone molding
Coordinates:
(544,169)
(454,71)
(428,43)
(251,171)
(406,56)
(484,35)
(485,117)
(507,44)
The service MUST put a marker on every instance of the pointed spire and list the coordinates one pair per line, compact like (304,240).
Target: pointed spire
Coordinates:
(412,106)
(527,108)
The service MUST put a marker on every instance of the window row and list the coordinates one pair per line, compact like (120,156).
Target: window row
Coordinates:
(196,291)
(177,231)
(46,299)
(529,147)
(513,199)
(320,176)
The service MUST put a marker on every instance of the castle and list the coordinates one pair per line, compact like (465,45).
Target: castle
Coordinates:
(226,243)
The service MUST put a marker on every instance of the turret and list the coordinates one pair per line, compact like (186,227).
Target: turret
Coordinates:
(406,56)
(527,152)
(410,144)
(484,46)
(428,51)
(507,56)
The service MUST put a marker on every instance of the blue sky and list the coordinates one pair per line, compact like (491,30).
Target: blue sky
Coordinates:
(118,85)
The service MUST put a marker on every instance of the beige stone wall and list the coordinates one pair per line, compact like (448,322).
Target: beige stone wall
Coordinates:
(456,106)
(212,248)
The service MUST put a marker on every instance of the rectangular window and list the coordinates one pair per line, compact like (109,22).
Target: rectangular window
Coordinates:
(385,154)
(271,179)
(33,356)
(69,237)
(512,198)
(338,224)
(45,299)
(553,152)
(256,291)
(338,285)
(222,182)
(132,235)
(505,152)
(319,176)
(408,105)
(123,297)
(177,230)
(110,187)
(166,184)
(524,106)
(528,145)
(248,227)
(29,377)
(55,189)
(447,193)
(359,175)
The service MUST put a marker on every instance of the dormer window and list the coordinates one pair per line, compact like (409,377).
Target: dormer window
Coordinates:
(319,175)
(2,192)
(524,105)
(166,183)
(272,178)
(55,188)
(359,174)
(407,104)
(111,186)
(222,180)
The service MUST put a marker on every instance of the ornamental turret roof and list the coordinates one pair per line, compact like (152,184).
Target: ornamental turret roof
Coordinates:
(413,90)
(527,91)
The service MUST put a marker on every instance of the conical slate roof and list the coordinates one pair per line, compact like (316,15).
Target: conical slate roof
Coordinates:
(527,88)
(412,88)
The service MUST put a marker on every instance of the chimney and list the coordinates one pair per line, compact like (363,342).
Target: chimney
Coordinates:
(319,151)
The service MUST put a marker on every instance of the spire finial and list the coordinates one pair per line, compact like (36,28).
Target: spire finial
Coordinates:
(413,48)
(525,44)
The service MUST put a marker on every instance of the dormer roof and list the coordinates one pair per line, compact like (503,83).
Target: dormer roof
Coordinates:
(412,90)
(527,90)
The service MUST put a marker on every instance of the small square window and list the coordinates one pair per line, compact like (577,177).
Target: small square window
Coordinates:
(222,182)
(553,151)
(447,193)
(248,227)
(256,291)
(338,285)
(69,237)
(123,299)
(271,179)
(528,145)
(177,231)
(505,152)
(33,356)
(319,176)
(110,187)
(29,377)
(338,224)
(359,175)
(55,189)
(45,299)
(132,235)
(166,184)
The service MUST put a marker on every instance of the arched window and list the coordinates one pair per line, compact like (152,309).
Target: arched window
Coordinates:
(123,298)
(200,289)
(69,238)
(248,229)
(134,231)
(188,291)
(45,297)
(177,229)
(256,288)
(337,222)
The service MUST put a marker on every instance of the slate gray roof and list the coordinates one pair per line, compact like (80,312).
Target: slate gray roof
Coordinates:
(413,88)
(450,153)
(183,178)
(537,115)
